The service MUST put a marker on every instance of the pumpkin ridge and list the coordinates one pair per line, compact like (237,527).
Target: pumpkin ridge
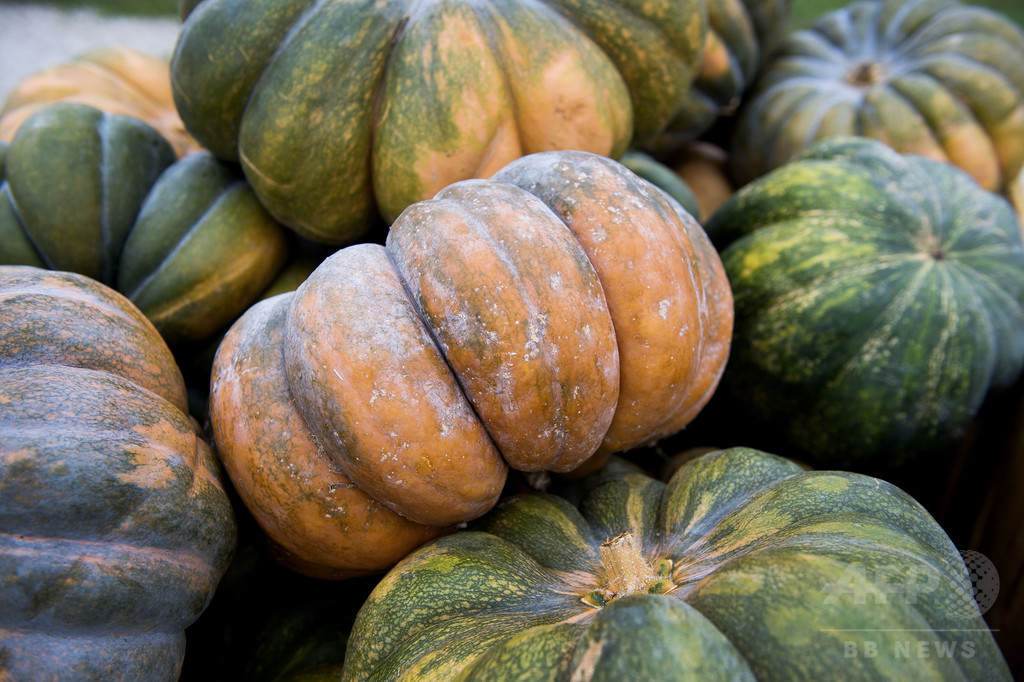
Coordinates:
(235,271)
(388,253)
(108,269)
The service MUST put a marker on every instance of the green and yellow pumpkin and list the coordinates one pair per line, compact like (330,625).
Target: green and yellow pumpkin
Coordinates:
(938,78)
(117,79)
(744,566)
(115,524)
(879,299)
(104,195)
(564,310)
(343,111)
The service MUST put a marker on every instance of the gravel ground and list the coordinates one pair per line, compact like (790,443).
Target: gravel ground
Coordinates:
(33,38)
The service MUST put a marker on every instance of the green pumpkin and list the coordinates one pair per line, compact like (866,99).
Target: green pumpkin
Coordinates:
(879,298)
(743,566)
(340,112)
(115,527)
(931,77)
(186,240)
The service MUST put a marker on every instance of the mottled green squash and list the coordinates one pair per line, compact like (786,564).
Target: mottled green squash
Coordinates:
(743,566)
(185,239)
(879,298)
(114,525)
(340,112)
(939,78)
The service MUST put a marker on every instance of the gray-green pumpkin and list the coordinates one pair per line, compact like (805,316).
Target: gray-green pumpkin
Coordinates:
(104,195)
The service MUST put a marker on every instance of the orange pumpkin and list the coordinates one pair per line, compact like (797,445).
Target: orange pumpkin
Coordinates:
(541,320)
(116,79)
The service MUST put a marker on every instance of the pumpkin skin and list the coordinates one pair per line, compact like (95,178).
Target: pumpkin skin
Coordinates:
(879,297)
(185,239)
(751,565)
(116,527)
(320,523)
(115,78)
(930,77)
(340,111)
(424,368)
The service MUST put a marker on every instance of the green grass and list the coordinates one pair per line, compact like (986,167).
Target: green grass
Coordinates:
(806,11)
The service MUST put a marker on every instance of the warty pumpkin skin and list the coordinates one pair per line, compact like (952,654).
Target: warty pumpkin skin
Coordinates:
(340,111)
(185,239)
(321,523)
(743,566)
(879,298)
(116,79)
(513,322)
(116,527)
(931,77)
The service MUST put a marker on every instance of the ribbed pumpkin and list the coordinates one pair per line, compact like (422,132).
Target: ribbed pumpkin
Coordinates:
(743,566)
(931,77)
(103,194)
(879,298)
(342,111)
(565,309)
(115,78)
(115,526)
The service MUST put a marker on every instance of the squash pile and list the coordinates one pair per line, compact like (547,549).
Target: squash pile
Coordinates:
(517,339)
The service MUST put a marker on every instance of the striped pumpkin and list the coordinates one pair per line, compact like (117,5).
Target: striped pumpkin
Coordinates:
(744,566)
(931,77)
(879,298)
(184,239)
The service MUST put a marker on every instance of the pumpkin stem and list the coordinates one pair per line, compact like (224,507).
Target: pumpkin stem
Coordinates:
(866,74)
(626,568)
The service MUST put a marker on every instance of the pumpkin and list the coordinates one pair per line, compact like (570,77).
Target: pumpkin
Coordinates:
(879,298)
(931,77)
(116,526)
(343,111)
(743,566)
(185,239)
(561,311)
(115,78)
